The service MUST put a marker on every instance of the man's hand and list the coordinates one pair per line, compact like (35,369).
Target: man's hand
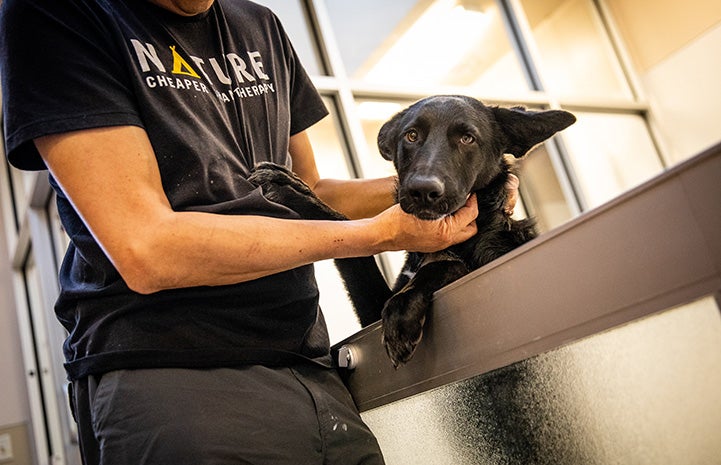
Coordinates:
(406,232)
(512,189)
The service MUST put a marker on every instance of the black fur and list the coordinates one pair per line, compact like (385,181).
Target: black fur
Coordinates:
(444,148)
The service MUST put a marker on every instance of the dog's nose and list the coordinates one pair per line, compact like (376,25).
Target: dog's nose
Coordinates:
(425,189)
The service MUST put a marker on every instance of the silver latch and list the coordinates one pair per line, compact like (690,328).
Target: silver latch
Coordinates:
(347,358)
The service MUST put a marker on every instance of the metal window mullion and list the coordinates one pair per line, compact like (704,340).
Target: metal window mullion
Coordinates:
(7,201)
(569,183)
(522,40)
(412,93)
(347,112)
(522,37)
(603,106)
(620,50)
(47,330)
(632,78)
(21,246)
(32,370)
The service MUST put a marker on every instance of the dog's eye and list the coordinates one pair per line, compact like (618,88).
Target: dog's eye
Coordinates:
(467,139)
(412,135)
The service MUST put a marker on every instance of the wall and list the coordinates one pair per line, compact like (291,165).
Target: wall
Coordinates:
(17,451)
(675,49)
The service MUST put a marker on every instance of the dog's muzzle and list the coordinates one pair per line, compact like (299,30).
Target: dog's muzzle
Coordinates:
(425,197)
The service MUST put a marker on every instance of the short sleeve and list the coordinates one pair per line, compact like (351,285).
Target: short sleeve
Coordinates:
(60,73)
(306,104)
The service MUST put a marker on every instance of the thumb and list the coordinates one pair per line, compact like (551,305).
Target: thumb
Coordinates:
(467,213)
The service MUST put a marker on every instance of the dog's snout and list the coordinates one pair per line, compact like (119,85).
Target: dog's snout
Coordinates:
(425,190)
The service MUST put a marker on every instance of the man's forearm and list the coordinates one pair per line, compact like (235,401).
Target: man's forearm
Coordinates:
(357,198)
(199,249)
(192,249)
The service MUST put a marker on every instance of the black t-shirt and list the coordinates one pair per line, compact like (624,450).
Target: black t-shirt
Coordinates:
(216,93)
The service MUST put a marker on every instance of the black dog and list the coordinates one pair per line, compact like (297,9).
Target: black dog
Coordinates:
(444,148)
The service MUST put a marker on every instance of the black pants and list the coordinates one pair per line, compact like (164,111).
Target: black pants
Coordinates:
(249,415)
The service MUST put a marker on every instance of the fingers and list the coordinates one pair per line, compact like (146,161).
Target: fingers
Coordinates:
(465,217)
(435,235)
(468,212)
(407,232)
(512,190)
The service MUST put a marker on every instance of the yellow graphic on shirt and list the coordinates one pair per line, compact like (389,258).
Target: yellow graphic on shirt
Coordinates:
(180,66)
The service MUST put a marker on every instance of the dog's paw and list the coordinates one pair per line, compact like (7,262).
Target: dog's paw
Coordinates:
(269,176)
(279,184)
(282,186)
(403,317)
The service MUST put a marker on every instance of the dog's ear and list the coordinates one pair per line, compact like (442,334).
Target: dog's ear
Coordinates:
(524,129)
(388,136)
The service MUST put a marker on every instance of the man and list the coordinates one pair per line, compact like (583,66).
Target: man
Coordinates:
(192,311)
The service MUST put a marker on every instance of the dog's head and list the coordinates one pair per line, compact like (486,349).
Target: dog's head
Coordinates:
(446,147)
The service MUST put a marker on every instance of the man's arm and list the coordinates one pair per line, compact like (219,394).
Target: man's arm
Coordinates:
(112,179)
(355,198)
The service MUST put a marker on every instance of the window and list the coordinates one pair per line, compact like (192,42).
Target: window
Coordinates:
(293,15)
(575,57)
(610,153)
(537,53)
(411,51)
(422,43)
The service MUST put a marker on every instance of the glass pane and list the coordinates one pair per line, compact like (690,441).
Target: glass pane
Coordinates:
(22,184)
(328,145)
(441,42)
(645,393)
(577,59)
(610,153)
(542,194)
(373,114)
(295,22)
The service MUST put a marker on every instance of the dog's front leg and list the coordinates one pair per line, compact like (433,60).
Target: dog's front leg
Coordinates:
(281,185)
(405,312)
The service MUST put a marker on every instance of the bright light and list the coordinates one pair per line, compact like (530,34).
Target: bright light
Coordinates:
(435,44)
(378,111)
